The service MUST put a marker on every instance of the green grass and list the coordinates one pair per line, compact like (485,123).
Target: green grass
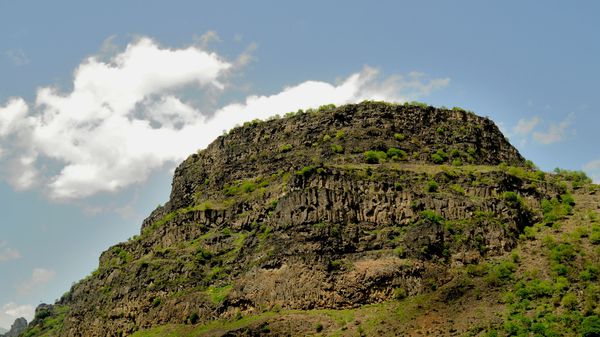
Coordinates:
(218,295)
(178,330)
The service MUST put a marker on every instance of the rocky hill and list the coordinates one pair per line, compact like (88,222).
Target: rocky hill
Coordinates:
(16,328)
(365,219)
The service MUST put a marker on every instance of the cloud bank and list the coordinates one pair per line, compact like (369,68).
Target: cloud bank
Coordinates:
(126,117)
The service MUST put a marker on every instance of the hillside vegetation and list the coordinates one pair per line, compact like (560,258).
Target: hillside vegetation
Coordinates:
(361,220)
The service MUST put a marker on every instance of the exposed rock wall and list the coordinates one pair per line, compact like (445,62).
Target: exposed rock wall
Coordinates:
(276,215)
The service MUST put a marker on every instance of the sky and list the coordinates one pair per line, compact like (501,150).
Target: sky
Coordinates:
(100,101)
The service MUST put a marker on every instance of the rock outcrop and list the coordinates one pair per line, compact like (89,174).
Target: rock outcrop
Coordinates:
(17,328)
(335,208)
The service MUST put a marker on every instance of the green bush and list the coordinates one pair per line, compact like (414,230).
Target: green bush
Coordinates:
(562,253)
(399,293)
(431,216)
(595,238)
(439,157)
(432,186)
(156,302)
(337,148)
(590,326)
(375,157)
(399,137)
(534,289)
(501,273)
(193,318)
(306,171)
(396,154)
(569,301)
(285,148)
(512,198)
(248,186)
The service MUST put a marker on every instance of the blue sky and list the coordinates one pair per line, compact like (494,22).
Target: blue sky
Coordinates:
(99,102)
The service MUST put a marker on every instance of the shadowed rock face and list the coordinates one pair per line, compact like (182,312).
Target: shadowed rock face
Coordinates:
(17,328)
(295,213)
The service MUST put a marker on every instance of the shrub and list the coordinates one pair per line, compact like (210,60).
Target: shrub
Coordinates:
(319,327)
(285,148)
(193,318)
(477,269)
(375,157)
(456,162)
(202,255)
(248,186)
(326,138)
(396,154)
(326,107)
(399,137)
(501,273)
(399,293)
(156,302)
(569,301)
(337,148)
(439,157)
(513,199)
(306,171)
(340,134)
(534,289)
(432,186)
(590,273)
(431,216)
(529,232)
(562,253)
(595,238)
(590,326)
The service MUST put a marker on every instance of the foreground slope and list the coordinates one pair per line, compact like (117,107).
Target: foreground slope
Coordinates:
(369,218)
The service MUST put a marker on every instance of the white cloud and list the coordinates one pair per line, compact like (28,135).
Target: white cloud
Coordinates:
(525,126)
(593,168)
(555,133)
(126,117)
(13,116)
(11,311)
(39,277)
(7,253)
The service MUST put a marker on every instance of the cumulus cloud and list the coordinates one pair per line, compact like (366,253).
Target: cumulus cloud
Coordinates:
(525,126)
(8,253)
(11,311)
(555,133)
(126,115)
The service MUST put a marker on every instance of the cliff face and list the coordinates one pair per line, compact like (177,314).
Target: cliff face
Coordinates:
(336,208)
